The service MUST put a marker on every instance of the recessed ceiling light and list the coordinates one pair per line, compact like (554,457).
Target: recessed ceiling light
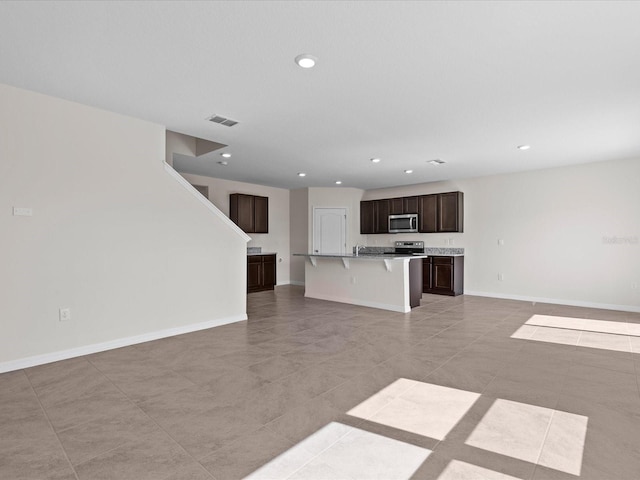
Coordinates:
(223,163)
(301,174)
(375,160)
(437,161)
(226,155)
(408,171)
(524,147)
(338,182)
(306,61)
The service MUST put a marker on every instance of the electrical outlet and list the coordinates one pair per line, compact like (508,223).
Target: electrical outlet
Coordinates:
(501,276)
(65,314)
(500,241)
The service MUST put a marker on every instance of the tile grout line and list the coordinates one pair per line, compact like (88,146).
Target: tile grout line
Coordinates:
(46,415)
(582,330)
(544,439)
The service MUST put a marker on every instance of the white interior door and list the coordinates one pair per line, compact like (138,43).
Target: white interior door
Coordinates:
(329,230)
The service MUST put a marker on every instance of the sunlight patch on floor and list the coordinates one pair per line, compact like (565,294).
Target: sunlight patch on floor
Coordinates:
(582,332)
(342,451)
(534,434)
(417,407)
(457,470)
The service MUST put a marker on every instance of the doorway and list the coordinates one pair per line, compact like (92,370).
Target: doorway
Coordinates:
(329,230)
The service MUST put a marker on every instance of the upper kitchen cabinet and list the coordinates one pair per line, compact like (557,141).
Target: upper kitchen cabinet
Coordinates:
(249,212)
(374,216)
(439,212)
(442,212)
(450,212)
(428,214)
(399,206)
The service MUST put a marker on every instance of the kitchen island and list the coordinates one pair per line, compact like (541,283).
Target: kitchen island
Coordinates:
(386,281)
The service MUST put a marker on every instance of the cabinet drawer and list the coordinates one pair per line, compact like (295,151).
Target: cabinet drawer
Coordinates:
(254,259)
(442,260)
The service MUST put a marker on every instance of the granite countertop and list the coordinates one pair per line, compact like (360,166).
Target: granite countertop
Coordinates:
(444,251)
(364,256)
(384,252)
(251,254)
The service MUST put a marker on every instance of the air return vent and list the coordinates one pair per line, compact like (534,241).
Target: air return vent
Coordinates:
(227,122)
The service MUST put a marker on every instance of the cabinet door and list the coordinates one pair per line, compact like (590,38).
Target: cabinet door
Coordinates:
(254,273)
(268,272)
(410,205)
(396,206)
(382,216)
(241,211)
(450,212)
(367,221)
(442,275)
(261,214)
(428,210)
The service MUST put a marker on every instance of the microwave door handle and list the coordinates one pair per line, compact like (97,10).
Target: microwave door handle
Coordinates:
(414,221)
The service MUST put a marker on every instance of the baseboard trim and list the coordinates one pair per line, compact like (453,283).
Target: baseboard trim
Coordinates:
(118,343)
(557,301)
(362,303)
(295,282)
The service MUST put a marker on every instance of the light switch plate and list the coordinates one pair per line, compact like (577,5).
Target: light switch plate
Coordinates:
(22,212)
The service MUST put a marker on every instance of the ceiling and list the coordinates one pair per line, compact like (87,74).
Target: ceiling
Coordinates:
(407,82)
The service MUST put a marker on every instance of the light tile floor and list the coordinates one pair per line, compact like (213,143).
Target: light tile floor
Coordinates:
(229,401)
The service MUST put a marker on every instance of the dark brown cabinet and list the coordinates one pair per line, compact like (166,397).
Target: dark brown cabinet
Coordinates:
(443,275)
(261,272)
(398,206)
(367,223)
(441,212)
(450,212)
(427,218)
(374,216)
(261,214)
(249,212)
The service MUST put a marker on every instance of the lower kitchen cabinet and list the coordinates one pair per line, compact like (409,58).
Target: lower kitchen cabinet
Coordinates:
(261,272)
(443,275)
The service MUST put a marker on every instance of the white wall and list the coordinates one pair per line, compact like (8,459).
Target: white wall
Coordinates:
(113,236)
(179,143)
(348,198)
(554,224)
(299,232)
(277,240)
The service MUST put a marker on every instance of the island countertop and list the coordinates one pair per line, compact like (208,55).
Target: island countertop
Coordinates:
(364,256)
(428,252)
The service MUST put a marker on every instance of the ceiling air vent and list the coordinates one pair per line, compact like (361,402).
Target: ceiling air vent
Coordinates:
(227,122)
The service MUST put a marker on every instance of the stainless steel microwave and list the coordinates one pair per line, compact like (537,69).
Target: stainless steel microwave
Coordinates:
(407,223)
